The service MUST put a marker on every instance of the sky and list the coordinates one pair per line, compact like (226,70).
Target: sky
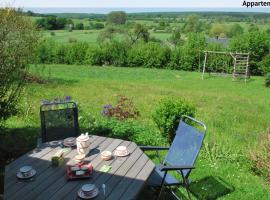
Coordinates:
(124,3)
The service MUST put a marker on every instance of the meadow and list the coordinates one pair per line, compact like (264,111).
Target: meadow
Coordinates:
(236,114)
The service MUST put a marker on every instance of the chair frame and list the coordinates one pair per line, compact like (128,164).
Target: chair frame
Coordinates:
(166,169)
(43,120)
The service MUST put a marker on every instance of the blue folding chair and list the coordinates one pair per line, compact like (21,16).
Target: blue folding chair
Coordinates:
(180,158)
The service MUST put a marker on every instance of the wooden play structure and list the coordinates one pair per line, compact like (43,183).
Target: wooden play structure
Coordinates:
(238,64)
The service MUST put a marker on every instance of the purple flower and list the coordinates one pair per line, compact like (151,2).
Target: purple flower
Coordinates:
(68,98)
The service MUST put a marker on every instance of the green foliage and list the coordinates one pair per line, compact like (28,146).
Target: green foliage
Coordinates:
(152,55)
(76,53)
(46,52)
(193,24)
(79,26)
(53,23)
(94,56)
(235,30)
(264,65)
(217,30)
(140,32)
(175,38)
(168,114)
(117,17)
(18,40)
(97,25)
(257,43)
(267,80)
(190,54)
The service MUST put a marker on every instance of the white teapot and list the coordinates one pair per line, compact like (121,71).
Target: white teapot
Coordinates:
(83,143)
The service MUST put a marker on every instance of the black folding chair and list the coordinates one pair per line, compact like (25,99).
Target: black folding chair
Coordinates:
(180,158)
(59,121)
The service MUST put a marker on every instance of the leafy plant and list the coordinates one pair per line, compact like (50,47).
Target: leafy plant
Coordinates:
(168,114)
(267,80)
(123,109)
(18,40)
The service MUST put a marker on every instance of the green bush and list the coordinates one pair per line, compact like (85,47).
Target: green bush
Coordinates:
(152,55)
(76,53)
(168,114)
(94,56)
(264,65)
(256,43)
(46,52)
(115,53)
(267,80)
(190,54)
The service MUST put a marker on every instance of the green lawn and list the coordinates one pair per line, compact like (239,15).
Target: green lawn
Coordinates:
(89,36)
(234,112)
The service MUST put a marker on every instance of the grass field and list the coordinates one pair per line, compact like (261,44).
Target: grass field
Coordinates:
(235,113)
(64,36)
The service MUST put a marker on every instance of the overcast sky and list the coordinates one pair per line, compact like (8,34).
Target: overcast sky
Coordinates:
(125,3)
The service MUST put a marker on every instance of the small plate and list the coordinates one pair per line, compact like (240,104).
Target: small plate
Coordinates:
(21,176)
(83,196)
(121,155)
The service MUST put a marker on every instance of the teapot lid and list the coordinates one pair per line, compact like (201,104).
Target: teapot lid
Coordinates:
(83,137)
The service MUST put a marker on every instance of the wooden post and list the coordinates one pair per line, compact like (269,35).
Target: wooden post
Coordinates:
(247,68)
(204,64)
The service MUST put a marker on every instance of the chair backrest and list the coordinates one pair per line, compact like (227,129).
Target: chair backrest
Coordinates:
(59,121)
(186,144)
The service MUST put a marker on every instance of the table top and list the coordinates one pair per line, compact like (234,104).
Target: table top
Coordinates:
(124,181)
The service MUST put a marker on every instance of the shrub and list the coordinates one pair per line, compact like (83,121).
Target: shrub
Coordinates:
(18,40)
(260,157)
(267,80)
(115,53)
(76,53)
(72,40)
(46,52)
(190,55)
(257,43)
(168,114)
(264,65)
(52,33)
(123,109)
(94,56)
(149,55)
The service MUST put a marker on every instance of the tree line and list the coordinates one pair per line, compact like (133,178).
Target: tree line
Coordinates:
(139,49)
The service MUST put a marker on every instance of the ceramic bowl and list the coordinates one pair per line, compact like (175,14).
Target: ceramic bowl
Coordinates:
(106,155)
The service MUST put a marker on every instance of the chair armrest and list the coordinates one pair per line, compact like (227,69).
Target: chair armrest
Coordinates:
(173,168)
(153,148)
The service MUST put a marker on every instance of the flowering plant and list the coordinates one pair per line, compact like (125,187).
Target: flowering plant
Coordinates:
(123,109)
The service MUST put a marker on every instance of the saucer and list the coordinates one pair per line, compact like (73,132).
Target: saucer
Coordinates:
(21,176)
(116,153)
(92,195)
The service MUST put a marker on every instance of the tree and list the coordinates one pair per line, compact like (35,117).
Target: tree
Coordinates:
(175,38)
(53,23)
(18,39)
(235,30)
(193,24)
(107,34)
(117,17)
(252,28)
(79,26)
(217,30)
(257,43)
(140,32)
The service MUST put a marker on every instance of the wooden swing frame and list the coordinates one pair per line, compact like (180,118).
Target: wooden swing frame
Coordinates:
(235,56)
